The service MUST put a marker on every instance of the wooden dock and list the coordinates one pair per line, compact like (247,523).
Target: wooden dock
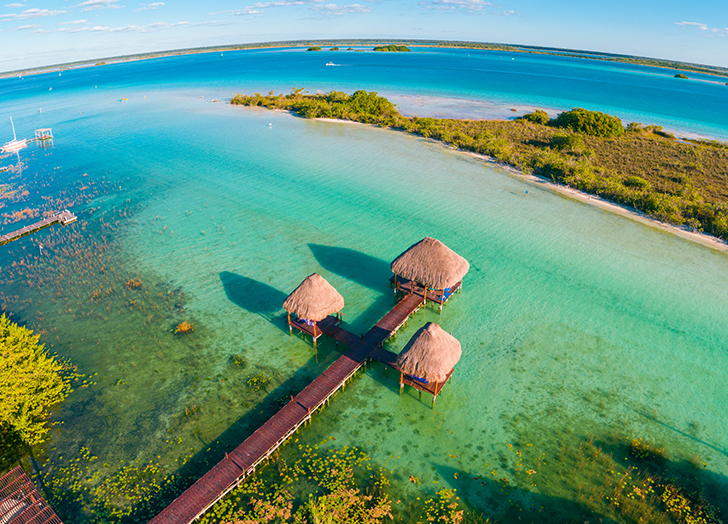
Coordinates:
(20,501)
(238,464)
(64,217)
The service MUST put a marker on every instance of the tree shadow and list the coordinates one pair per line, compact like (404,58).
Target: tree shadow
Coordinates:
(252,295)
(353,265)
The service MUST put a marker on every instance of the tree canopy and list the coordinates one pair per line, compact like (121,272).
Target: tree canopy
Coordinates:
(31,382)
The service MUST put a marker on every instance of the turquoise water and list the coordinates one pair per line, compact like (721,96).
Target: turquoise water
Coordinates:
(574,322)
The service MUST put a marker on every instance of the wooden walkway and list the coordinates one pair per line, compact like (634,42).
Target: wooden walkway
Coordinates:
(20,502)
(65,217)
(237,465)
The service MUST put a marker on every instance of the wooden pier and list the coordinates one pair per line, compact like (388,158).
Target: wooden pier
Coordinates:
(65,217)
(238,464)
(20,501)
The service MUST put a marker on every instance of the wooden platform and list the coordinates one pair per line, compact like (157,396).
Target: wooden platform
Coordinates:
(241,462)
(407,286)
(20,501)
(65,217)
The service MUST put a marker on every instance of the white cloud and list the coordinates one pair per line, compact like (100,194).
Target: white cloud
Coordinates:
(15,6)
(92,5)
(75,22)
(711,31)
(26,27)
(29,14)
(146,7)
(238,12)
(339,10)
(282,3)
(458,5)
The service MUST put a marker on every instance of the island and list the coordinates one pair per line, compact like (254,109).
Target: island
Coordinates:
(680,182)
(392,48)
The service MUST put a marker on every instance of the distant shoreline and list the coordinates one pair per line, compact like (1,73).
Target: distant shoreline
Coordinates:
(717,71)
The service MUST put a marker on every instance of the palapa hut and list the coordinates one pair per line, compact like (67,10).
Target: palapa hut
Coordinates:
(428,359)
(312,301)
(433,266)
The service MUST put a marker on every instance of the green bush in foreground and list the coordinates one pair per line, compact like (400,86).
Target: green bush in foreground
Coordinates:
(594,123)
(31,382)
(539,116)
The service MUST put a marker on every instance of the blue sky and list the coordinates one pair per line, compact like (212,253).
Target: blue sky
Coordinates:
(46,32)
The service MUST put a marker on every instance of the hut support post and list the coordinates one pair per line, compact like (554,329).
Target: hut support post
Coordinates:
(314,334)
(290,328)
(401,382)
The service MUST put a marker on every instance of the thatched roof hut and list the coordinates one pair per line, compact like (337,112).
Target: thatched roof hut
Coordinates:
(430,354)
(432,263)
(314,299)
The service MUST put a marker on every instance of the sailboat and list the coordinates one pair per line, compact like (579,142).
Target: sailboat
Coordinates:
(15,144)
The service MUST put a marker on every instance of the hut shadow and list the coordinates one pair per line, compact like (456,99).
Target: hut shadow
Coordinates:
(254,296)
(353,265)
(535,507)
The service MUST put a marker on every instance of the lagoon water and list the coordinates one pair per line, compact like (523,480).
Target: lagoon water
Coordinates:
(575,323)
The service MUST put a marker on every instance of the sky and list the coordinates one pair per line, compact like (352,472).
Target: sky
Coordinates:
(35,33)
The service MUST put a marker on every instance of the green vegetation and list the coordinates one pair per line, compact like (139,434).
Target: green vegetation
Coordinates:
(314,48)
(31,382)
(594,123)
(539,116)
(680,75)
(392,48)
(327,487)
(334,49)
(684,181)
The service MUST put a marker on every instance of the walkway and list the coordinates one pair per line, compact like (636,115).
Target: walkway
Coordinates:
(20,502)
(65,217)
(241,462)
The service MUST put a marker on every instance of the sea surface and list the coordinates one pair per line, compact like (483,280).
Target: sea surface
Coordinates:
(575,323)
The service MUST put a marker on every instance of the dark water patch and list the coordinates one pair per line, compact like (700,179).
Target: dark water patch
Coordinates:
(252,295)
(353,265)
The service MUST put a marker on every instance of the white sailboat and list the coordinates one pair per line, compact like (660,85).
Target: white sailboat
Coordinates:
(15,144)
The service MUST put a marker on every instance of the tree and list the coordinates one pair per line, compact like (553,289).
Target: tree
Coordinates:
(31,382)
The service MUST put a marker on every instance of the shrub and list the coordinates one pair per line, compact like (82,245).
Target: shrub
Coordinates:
(539,116)
(636,182)
(314,48)
(680,75)
(593,123)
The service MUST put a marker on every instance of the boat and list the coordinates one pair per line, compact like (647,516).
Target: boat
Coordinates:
(330,64)
(14,144)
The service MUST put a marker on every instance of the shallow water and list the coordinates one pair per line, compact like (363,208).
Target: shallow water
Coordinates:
(574,321)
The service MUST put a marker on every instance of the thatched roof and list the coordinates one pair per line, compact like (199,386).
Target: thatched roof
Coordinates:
(430,354)
(314,299)
(431,262)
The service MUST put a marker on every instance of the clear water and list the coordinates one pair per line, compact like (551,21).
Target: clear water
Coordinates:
(573,321)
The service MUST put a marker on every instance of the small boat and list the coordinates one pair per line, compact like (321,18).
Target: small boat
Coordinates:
(330,64)
(14,144)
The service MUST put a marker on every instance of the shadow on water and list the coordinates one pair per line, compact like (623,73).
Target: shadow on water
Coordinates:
(513,504)
(238,431)
(686,435)
(353,265)
(252,295)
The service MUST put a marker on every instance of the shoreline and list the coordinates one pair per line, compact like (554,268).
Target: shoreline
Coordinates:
(574,194)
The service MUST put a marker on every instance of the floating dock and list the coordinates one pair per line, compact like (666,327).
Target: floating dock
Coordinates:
(65,217)
(241,462)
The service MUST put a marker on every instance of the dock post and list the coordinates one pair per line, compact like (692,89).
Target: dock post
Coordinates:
(401,382)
